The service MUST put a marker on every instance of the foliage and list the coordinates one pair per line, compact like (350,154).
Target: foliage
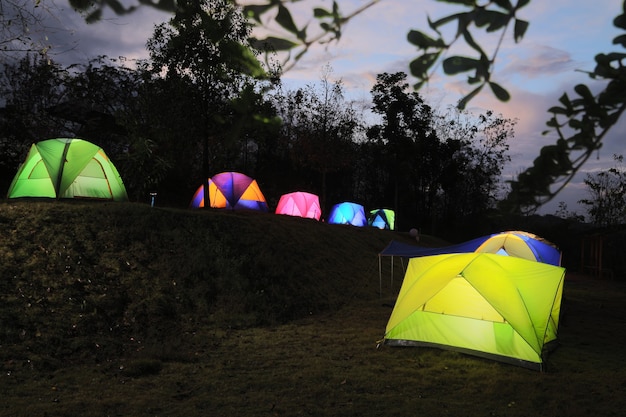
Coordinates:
(444,167)
(492,16)
(29,88)
(477,148)
(580,125)
(564,213)
(589,117)
(320,130)
(407,147)
(204,47)
(19,21)
(153,128)
(607,203)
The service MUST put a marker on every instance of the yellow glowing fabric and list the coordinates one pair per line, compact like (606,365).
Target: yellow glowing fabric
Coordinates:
(506,307)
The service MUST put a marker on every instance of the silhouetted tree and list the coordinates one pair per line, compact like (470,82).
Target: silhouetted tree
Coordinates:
(607,189)
(407,149)
(28,88)
(319,132)
(580,124)
(204,48)
(476,151)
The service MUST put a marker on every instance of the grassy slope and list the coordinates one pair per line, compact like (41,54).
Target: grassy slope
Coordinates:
(120,309)
(110,272)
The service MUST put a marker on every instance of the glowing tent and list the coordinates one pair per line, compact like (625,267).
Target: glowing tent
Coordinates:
(300,204)
(348,213)
(67,168)
(382,219)
(498,307)
(231,190)
(522,245)
(514,243)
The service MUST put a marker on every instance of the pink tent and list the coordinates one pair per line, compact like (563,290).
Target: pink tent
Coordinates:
(300,204)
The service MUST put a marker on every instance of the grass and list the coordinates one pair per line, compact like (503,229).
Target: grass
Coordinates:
(127,310)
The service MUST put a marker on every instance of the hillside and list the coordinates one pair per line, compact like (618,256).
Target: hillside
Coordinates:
(79,275)
(127,310)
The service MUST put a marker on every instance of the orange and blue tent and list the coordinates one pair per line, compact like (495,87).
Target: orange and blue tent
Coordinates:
(300,204)
(231,190)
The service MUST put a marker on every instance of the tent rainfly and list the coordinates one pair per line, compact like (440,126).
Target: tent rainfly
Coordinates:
(382,219)
(513,243)
(67,168)
(300,204)
(498,307)
(231,190)
(348,213)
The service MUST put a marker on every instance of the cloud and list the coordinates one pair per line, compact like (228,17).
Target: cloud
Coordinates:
(74,41)
(535,61)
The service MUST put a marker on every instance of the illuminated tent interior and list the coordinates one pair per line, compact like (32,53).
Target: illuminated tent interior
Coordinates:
(382,219)
(514,243)
(231,190)
(522,245)
(300,204)
(348,213)
(67,168)
(498,307)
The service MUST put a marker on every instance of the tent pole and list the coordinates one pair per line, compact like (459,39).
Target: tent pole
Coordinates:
(391,289)
(380,277)
(59,179)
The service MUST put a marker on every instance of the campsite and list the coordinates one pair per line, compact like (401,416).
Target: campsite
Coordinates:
(190,230)
(126,309)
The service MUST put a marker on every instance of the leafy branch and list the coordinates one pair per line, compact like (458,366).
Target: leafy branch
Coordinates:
(588,118)
(331,23)
(494,16)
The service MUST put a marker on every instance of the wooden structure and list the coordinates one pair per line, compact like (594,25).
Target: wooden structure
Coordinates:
(592,256)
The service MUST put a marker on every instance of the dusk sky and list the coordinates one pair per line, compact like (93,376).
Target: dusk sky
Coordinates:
(560,44)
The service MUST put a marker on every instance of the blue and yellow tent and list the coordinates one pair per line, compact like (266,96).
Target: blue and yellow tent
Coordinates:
(512,243)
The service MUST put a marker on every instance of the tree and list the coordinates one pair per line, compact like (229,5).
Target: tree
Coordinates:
(477,146)
(408,148)
(19,21)
(204,48)
(580,123)
(607,203)
(589,116)
(29,88)
(320,129)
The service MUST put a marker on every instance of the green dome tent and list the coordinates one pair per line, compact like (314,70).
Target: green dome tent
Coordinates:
(499,307)
(67,168)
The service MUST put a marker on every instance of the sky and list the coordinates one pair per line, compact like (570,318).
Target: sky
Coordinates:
(559,45)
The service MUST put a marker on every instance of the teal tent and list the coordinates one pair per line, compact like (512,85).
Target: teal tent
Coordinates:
(382,219)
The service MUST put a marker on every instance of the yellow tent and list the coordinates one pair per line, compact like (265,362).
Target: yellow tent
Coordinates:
(501,307)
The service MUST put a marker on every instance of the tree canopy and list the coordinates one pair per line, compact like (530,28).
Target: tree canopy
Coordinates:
(580,120)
